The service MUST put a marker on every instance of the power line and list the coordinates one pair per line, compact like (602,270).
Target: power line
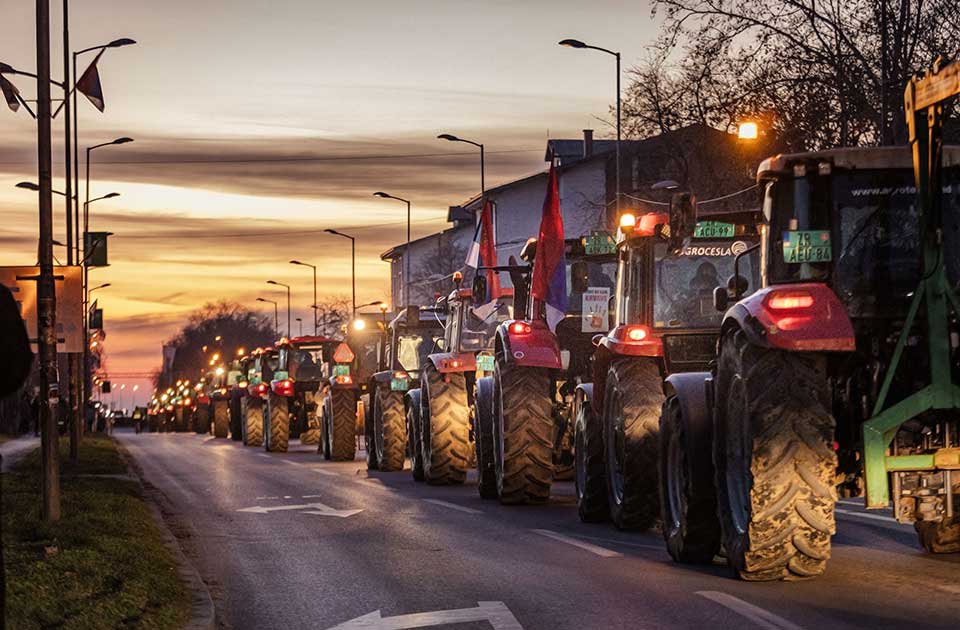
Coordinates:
(218,235)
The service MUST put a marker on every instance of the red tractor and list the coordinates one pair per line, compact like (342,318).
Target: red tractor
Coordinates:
(302,366)
(411,338)
(252,405)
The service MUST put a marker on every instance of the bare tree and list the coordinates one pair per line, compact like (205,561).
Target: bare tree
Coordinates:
(332,314)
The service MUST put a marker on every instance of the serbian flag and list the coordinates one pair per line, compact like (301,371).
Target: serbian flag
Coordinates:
(549,282)
(10,93)
(89,84)
(483,251)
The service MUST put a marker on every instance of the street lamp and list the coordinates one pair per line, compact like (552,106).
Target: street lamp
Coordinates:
(36,188)
(287,287)
(353,267)
(483,186)
(575,43)
(275,324)
(406,252)
(314,267)
(102,286)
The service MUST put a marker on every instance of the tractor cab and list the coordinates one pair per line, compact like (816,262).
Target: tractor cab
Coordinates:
(471,328)
(357,357)
(304,362)
(265,362)
(411,338)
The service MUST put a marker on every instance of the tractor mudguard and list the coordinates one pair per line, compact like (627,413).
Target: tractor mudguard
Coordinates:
(412,399)
(617,342)
(803,317)
(382,377)
(529,344)
(446,362)
(690,389)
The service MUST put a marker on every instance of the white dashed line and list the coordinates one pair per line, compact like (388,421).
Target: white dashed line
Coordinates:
(453,506)
(594,549)
(328,473)
(311,496)
(763,618)
(875,517)
(287,461)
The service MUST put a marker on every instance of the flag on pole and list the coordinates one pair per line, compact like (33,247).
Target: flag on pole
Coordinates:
(10,93)
(549,282)
(89,84)
(483,250)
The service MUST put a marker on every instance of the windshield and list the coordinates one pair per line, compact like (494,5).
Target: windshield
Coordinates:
(684,283)
(413,349)
(590,283)
(479,323)
(306,363)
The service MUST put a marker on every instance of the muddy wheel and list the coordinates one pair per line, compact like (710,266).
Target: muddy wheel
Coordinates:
(775,463)
(414,446)
(277,434)
(342,427)
(939,536)
(688,501)
(311,411)
(591,472)
(483,439)
(445,427)
(253,421)
(201,420)
(236,417)
(389,429)
(523,429)
(631,422)
(221,418)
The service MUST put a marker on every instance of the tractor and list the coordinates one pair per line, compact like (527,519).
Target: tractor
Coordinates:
(354,361)
(301,368)
(272,388)
(258,365)
(831,378)
(412,336)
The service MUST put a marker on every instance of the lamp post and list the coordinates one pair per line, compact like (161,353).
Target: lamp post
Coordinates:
(299,320)
(575,43)
(275,316)
(483,186)
(406,252)
(287,287)
(353,266)
(314,267)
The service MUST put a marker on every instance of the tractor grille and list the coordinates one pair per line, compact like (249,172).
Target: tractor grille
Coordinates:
(689,353)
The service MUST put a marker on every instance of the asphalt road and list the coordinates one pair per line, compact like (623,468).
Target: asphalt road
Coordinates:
(303,558)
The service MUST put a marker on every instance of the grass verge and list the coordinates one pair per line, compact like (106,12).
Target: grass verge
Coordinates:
(103,565)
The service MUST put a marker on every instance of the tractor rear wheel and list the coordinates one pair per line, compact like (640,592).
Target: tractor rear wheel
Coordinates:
(414,444)
(253,420)
(591,473)
(277,435)
(483,439)
(342,425)
(939,536)
(631,418)
(324,447)
(221,418)
(201,420)
(523,426)
(311,411)
(389,428)
(688,501)
(236,418)
(445,427)
(774,458)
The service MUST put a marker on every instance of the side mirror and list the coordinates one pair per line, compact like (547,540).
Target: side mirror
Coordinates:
(737,285)
(479,288)
(579,276)
(721,299)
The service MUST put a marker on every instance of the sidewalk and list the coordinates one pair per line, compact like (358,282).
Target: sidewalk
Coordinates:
(14,450)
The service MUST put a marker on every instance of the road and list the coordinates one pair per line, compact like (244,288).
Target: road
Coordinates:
(317,563)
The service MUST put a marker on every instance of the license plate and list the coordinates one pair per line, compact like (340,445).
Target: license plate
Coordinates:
(713,229)
(399,384)
(485,363)
(341,370)
(807,246)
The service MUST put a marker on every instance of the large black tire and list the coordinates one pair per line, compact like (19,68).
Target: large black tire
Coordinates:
(591,472)
(483,439)
(774,459)
(564,466)
(324,447)
(276,435)
(414,442)
(939,536)
(201,420)
(311,410)
(180,419)
(342,425)
(221,418)
(236,418)
(389,428)
(523,426)
(369,439)
(688,501)
(253,421)
(631,422)
(445,427)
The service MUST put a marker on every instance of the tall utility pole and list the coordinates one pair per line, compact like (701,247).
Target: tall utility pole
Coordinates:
(46,289)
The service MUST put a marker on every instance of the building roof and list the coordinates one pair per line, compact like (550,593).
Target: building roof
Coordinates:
(568,151)
(397,250)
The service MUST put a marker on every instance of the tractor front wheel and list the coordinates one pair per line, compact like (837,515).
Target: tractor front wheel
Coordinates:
(311,412)
(631,417)
(253,420)
(389,429)
(414,444)
(483,439)
(523,426)
(277,434)
(775,463)
(939,536)
(445,427)
(591,472)
(221,418)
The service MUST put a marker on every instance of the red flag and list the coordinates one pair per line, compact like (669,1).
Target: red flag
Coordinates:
(89,84)
(10,93)
(488,250)
(549,282)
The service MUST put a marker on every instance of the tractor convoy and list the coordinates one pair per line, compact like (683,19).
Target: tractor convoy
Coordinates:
(722,375)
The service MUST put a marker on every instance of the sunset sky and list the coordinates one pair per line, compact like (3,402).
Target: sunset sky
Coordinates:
(267,122)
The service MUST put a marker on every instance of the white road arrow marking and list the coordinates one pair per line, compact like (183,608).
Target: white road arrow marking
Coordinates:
(496,613)
(320,509)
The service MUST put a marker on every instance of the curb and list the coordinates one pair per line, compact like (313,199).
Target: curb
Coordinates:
(202,612)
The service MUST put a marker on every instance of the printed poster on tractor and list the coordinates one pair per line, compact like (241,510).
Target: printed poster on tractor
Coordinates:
(595,316)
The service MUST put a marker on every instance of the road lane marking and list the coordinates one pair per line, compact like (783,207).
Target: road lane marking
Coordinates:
(876,517)
(453,506)
(287,461)
(495,613)
(603,552)
(311,496)
(328,473)
(320,509)
(624,542)
(763,618)
(262,455)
